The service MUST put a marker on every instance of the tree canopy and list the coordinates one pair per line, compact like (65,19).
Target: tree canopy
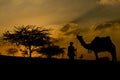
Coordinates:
(51,50)
(28,36)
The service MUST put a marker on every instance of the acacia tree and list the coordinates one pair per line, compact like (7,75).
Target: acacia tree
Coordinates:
(29,36)
(51,50)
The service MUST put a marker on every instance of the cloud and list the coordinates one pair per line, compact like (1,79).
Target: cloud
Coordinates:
(42,11)
(109,2)
(110,24)
(98,15)
(71,29)
(103,26)
(85,13)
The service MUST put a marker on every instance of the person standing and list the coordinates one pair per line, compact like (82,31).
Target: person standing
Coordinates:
(71,51)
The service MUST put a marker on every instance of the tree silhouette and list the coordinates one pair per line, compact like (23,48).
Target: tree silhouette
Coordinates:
(29,36)
(51,50)
(24,52)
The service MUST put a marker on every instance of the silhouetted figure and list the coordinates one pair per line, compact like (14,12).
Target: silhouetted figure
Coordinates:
(71,51)
(99,44)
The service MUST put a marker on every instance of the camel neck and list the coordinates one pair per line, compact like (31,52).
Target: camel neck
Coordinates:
(83,43)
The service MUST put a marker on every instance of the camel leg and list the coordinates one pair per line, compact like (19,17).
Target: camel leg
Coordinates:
(114,56)
(96,56)
(113,53)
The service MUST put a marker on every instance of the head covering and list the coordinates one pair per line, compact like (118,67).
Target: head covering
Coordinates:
(71,43)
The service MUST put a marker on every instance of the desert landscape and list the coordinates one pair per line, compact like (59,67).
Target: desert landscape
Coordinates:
(40,31)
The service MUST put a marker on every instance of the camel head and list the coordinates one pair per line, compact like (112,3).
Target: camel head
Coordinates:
(79,37)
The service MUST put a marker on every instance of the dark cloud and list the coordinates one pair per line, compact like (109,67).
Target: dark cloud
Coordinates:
(65,28)
(42,11)
(103,26)
(109,2)
(98,15)
(71,29)
(107,25)
(83,12)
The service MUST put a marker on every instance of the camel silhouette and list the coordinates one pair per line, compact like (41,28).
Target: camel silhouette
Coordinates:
(99,44)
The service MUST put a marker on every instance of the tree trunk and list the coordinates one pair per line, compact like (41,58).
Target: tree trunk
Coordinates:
(30,51)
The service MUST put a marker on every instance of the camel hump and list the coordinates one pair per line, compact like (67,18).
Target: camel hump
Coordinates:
(106,39)
(101,40)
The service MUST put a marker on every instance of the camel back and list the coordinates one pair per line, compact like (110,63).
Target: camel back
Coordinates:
(102,40)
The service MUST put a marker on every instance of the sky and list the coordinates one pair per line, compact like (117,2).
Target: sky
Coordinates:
(49,12)
(67,17)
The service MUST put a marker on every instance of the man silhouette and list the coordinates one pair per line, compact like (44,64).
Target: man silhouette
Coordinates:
(71,51)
